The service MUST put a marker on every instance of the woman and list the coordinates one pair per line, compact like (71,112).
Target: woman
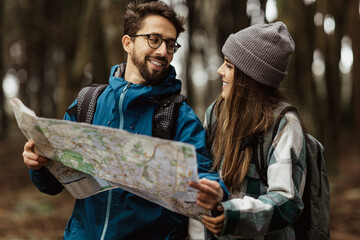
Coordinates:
(256,60)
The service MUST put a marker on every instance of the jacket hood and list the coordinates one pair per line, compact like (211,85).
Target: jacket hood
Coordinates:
(168,87)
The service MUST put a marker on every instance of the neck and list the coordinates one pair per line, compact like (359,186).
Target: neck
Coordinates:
(133,75)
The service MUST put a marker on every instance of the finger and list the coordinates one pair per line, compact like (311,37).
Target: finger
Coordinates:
(214,220)
(204,205)
(33,164)
(210,193)
(195,185)
(214,231)
(29,145)
(201,186)
(213,228)
(215,188)
(30,157)
(207,186)
(214,197)
(207,202)
(210,183)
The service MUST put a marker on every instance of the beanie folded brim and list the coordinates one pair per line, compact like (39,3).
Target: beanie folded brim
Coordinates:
(252,65)
(261,51)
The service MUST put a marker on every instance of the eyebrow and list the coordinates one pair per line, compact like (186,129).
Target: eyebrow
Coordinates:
(160,35)
(228,61)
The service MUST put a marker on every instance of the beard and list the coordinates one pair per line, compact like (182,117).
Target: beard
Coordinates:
(154,77)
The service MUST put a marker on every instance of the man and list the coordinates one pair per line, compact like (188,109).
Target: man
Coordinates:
(150,33)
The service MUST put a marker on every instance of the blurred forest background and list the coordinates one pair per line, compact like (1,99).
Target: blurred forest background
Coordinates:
(50,49)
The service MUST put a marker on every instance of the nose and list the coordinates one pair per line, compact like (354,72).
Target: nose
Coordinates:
(220,71)
(161,51)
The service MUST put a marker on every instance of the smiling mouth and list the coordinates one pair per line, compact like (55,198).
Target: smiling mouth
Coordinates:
(225,84)
(156,63)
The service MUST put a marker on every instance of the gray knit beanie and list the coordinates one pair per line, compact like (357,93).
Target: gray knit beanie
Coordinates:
(261,52)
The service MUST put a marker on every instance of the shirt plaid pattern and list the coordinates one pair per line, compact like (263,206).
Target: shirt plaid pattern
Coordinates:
(258,212)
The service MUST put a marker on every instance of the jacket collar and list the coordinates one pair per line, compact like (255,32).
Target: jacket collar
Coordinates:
(169,86)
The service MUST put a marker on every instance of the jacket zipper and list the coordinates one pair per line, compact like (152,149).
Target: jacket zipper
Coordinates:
(107,215)
(121,101)
(121,126)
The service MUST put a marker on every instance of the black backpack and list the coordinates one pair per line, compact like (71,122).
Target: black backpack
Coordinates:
(313,222)
(164,118)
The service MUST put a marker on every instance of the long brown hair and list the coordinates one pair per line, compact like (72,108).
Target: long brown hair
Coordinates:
(248,110)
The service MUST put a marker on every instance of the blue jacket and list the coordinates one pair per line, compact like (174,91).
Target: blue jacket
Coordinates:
(118,214)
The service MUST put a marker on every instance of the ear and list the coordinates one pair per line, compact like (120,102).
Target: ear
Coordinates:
(127,43)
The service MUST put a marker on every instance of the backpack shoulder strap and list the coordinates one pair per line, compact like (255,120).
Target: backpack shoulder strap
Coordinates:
(86,103)
(210,118)
(165,116)
(266,141)
(288,108)
(210,126)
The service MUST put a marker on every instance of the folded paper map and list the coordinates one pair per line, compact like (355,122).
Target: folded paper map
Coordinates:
(88,159)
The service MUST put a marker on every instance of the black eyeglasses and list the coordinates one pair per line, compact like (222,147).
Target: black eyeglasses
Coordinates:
(155,42)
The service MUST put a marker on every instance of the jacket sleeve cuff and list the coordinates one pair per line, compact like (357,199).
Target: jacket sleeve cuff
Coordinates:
(230,218)
(225,191)
(45,181)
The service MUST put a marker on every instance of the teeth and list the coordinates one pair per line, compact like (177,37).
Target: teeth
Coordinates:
(156,63)
(225,84)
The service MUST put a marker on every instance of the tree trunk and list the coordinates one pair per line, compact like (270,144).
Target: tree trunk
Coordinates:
(203,30)
(69,31)
(3,117)
(332,50)
(112,22)
(86,44)
(209,27)
(353,26)
(299,81)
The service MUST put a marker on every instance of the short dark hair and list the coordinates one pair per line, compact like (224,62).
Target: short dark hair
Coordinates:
(136,13)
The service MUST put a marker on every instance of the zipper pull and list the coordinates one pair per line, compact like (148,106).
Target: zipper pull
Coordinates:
(126,87)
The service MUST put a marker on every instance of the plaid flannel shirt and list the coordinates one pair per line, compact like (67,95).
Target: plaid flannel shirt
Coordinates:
(258,212)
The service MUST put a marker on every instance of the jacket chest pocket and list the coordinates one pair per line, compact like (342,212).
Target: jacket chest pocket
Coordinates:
(131,120)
